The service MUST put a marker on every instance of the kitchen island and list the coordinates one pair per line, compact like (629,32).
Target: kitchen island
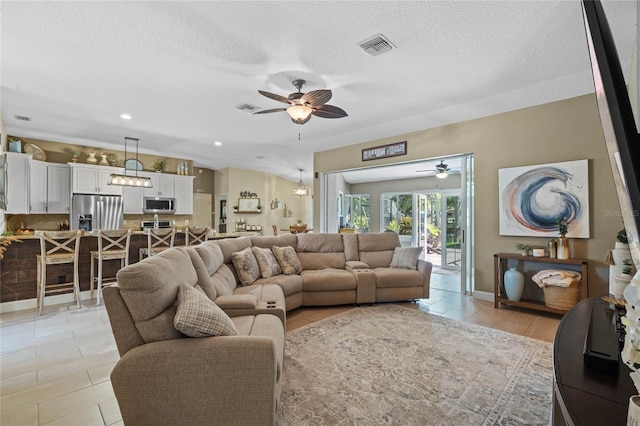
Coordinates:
(18,267)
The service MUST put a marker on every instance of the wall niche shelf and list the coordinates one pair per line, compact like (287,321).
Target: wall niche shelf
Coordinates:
(501,264)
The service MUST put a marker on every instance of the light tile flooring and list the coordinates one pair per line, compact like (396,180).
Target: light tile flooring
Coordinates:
(54,369)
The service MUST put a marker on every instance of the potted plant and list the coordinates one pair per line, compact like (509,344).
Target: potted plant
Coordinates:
(524,248)
(235,209)
(299,222)
(159,165)
(74,155)
(259,207)
(627,268)
(563,242)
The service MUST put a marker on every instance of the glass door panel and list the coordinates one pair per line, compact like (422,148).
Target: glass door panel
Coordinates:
(452,249)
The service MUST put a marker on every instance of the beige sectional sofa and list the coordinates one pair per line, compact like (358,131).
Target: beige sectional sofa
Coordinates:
(236,378)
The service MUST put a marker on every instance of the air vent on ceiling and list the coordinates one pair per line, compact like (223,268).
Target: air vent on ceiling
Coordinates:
(22,117)
(247,107)
(377,45)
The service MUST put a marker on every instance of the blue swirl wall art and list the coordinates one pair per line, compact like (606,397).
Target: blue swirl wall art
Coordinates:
(533,198)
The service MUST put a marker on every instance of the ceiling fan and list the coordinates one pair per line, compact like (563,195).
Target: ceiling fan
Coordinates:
(303,105)
(441,171)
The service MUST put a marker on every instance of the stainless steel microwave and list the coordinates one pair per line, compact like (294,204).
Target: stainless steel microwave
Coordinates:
(159,205)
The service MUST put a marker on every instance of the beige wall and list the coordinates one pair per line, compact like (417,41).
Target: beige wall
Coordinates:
(231,182)
(559,131)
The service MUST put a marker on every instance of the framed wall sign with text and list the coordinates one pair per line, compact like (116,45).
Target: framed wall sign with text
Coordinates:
(384,151)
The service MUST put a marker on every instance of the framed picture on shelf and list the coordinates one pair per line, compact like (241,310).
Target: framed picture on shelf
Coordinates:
(248,204)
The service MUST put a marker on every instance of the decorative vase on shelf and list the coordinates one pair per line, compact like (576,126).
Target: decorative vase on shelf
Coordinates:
(563,248)
(513,284)
(103,161)
(92,158)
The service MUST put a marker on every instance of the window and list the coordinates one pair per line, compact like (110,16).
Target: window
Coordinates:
(358,212)
(397,213)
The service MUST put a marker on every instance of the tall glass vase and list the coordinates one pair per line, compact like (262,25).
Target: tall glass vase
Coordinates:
(563,248)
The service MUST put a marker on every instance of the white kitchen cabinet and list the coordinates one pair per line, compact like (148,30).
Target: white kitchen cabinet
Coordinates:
(132,196)
(162,185)
(89,179)
(17,183)
(183,193)
(37,186)
(49,187)
(58,188)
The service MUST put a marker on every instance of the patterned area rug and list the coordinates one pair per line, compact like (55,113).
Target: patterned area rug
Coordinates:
(388,365)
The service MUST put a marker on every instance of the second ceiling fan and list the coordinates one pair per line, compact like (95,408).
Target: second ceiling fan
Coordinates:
(303,105)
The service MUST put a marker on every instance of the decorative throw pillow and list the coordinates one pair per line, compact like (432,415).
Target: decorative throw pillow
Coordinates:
(288,259)
(267,262)
(246,266)
(405,257)
(198,316)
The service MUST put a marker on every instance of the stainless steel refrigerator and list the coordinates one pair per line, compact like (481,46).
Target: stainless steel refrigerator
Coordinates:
(90,212)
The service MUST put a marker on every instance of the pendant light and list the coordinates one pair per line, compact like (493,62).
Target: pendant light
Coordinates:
(300,190)
(124,180)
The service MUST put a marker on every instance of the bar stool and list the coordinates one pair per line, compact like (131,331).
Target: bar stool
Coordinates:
(195,236)
(158,240)
(112,245)
(57,247)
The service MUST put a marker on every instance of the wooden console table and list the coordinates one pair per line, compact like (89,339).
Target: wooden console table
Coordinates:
(583,395)
(501,261)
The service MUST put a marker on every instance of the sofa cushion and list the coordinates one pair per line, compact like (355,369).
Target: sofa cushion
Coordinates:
(350,242)
(149,288)
(397,277)
(204,279)
(405,257)
(376,249)
(320,251)
(328,280)
(269,241)
(267,262)
(228,246)
(224,281)
(288,260)
(290,284)
(211,255)
(246,266)
(198,316)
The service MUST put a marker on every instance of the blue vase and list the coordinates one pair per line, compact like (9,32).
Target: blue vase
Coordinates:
(513,284)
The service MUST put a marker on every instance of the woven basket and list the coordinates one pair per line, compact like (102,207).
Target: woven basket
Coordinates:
(562,298)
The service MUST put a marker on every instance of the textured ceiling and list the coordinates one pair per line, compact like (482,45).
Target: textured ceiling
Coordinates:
(180,68)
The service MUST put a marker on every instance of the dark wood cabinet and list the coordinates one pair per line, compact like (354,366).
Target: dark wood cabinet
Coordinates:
(584,395)
(502,262)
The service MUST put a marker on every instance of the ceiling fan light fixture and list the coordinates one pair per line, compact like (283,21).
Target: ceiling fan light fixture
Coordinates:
(300,190)
(299,113)
(441,175)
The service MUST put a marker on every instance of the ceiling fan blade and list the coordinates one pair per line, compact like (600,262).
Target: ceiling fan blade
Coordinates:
(267,111)
(329,111)
(316,98)
(274,96)
(426,171)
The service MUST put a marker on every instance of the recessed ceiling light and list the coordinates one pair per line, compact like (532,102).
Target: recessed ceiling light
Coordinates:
(217,143)
(125,116)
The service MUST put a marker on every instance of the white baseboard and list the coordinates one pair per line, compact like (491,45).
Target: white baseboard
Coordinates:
(483,295)
(58,299)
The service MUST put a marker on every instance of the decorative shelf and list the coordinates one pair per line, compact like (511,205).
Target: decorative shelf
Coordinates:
(501,265)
